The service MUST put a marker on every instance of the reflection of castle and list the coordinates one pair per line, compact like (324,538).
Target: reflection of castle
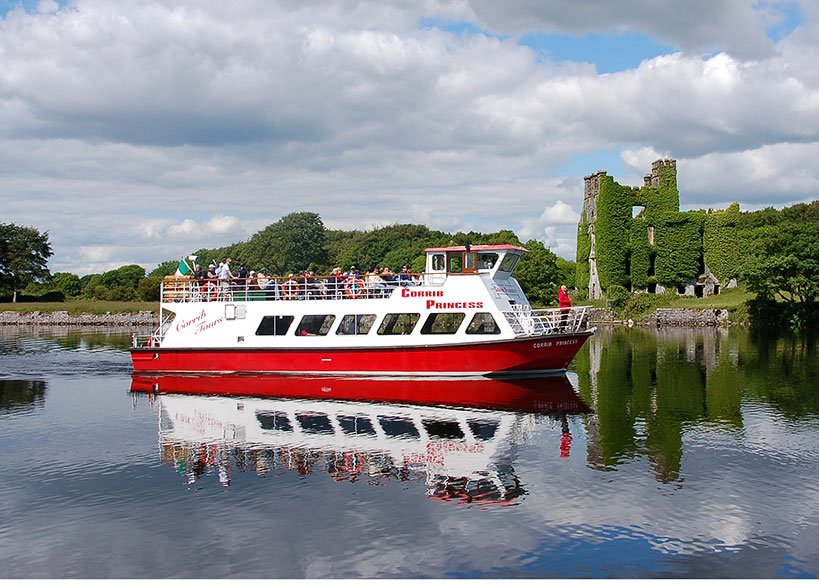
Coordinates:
(462,454)
(649,388)
(638,238)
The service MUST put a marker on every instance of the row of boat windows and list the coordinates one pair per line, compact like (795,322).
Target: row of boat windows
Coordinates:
(457,262)
(362,425)
(392,324)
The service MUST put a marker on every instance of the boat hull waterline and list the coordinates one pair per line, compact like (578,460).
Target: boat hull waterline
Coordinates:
(532,355)
(544,395)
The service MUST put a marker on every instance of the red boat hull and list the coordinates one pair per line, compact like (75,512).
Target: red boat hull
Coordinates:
(517,356)
(547,394)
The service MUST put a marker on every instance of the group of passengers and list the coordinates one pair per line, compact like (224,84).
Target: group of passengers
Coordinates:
(220,282)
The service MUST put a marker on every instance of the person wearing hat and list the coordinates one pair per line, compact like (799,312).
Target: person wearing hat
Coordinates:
(352,274)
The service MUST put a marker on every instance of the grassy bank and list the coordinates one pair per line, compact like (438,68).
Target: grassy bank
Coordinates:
(82,307)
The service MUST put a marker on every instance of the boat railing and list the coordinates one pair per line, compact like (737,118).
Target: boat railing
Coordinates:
(526,321)
(276,288)
(153,340)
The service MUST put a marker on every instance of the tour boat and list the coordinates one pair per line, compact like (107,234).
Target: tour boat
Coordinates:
(271,424)
(464,315)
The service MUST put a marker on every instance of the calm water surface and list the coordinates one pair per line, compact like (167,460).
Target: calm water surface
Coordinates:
(679,453)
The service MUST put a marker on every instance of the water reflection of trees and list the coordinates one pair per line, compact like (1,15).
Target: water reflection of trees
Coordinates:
(649,387)
(22,395)
(69,337)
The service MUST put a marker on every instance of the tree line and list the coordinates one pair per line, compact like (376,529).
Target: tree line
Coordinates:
(298,241)
(779,260)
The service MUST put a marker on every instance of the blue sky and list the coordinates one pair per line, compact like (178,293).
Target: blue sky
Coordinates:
(137,131)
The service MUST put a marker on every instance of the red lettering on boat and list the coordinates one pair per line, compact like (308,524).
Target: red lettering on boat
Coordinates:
(193,321)
(406,292)
(455,305)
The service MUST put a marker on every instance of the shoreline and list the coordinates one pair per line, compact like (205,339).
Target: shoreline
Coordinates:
(598,317)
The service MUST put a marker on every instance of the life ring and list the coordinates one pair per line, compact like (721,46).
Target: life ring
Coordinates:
(290,290)
(210,291)
(353,462)
(354,288)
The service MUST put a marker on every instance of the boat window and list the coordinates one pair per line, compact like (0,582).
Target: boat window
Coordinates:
(443,429)
(315,325)
(456,263)
(487,261)
(438,262)
(274,325)
(508,263)
(446,323)
(315,423)
(483,429)
(355,324)
(470,261)
(483,324)
(398,323)
(398,427)
(271,420)
(356,425)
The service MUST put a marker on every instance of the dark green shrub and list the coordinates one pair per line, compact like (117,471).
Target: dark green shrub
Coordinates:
(618,296)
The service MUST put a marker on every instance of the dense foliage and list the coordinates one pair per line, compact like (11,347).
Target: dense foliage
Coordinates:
(299,241)
(612,233)
(781,262)
(721,243)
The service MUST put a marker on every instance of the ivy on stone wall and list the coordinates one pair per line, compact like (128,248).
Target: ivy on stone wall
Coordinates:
(668,192)
(721,242)
(678,239)
(611,233)
(640,253)
(582,271)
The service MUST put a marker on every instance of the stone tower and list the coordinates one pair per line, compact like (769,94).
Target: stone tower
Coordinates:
(591,189)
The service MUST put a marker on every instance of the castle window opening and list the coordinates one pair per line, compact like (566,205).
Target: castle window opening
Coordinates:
(637,210)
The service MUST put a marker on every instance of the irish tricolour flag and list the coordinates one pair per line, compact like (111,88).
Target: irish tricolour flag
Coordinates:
(185,269)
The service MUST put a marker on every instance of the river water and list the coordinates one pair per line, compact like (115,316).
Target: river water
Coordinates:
(672,453)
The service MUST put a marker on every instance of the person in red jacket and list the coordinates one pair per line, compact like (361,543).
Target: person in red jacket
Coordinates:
(565,304)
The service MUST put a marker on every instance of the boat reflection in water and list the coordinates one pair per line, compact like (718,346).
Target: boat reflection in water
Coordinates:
(459,436)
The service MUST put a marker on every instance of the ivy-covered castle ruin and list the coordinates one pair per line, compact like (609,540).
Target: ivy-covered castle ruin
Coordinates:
(637,238)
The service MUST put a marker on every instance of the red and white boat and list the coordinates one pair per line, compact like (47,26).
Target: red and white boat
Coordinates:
(464,315)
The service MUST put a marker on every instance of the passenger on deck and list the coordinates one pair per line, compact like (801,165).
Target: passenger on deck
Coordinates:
(209,289)
(389,278)
(405,278)
(334,283)
(225,276)
(352,274)
(375,283)
(241,275)
(290,288)
(272,288)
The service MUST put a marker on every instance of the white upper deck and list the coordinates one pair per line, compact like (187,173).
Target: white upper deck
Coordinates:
(466,294)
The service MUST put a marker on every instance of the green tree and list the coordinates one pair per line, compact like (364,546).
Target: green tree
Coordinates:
(148,288)
(783,261)
(539,275)
(24,254)
(166,268)
(119,284)
(295,242)
(67,283)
